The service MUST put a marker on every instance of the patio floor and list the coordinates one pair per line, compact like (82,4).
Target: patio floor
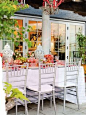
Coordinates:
(71,109)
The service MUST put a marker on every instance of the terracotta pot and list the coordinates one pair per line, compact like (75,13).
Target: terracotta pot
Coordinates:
(10,104)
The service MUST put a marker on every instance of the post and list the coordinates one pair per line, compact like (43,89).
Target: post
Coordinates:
(2,94)
(67,43)
(46,33)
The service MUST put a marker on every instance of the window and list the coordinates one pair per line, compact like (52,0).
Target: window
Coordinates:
(5,41)
(15,48)
(74,29)
(19,48)
(35,35)
(58,35)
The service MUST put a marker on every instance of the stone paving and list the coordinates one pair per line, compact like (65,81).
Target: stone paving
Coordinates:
(71,109)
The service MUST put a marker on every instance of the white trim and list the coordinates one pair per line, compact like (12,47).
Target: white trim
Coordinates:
(67,42)
(28,16)
(52,19)
(65,20)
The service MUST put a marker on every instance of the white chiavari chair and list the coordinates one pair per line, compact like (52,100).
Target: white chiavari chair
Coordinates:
(17,76)
(77,60)
(46,84)
(70,81)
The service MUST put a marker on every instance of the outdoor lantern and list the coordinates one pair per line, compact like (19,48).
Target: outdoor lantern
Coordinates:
(39,53)
(7,53)
(51,6)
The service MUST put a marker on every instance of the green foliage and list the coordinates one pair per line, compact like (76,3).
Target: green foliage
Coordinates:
(19,35)
(13,92)
(81,39)
(7,24)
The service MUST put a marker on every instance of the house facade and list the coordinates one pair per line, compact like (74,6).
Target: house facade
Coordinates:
(63,29)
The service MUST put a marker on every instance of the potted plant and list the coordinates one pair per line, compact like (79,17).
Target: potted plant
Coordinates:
(11,95)
(81,40)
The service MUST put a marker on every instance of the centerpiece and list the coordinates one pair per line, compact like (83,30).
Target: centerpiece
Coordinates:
(49,58)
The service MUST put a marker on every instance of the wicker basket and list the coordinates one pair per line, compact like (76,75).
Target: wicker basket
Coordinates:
(10,104)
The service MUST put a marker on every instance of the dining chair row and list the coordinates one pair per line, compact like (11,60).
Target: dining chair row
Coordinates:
(46,82)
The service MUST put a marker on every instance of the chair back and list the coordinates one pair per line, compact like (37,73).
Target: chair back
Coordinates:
(17,76)
(71,73)
(77,60)
(47,74)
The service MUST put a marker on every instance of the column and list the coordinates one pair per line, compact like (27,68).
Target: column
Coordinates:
(2,94)
(46,33)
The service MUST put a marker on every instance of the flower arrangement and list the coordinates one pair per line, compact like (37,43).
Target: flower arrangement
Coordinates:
(23,59)
(30,54)
(32,62)
(49,58)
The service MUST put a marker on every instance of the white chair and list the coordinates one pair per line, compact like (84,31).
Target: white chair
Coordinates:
(77,60)
(70,80)
(46,84)
(17,76)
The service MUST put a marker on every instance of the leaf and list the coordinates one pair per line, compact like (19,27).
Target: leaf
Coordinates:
(16,44)
(7,87)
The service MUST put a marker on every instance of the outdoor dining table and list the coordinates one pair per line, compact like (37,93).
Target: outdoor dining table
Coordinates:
(33,80)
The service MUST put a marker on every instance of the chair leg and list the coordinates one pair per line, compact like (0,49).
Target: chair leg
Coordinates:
(77,97)
(42,101)
(64,98)
(51,101)
(16,107)
(26,109)
(38,104)
(54,101)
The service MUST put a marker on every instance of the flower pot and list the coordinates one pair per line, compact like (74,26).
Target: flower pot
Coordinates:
(10,104)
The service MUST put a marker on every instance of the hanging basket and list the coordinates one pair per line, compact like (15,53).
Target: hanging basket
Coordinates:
(10,104)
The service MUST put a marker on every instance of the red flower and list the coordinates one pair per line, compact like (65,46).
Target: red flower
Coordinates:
(1,54)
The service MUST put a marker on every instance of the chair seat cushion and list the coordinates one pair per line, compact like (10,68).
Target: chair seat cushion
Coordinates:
(44,88)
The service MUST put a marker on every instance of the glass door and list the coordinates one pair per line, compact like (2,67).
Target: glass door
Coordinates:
(58,37)
(35,34)
(73,47)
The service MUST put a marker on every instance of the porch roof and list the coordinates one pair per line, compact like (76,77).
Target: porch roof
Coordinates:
(63,14)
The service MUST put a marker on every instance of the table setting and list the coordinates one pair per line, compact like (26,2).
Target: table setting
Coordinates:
(33,71)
